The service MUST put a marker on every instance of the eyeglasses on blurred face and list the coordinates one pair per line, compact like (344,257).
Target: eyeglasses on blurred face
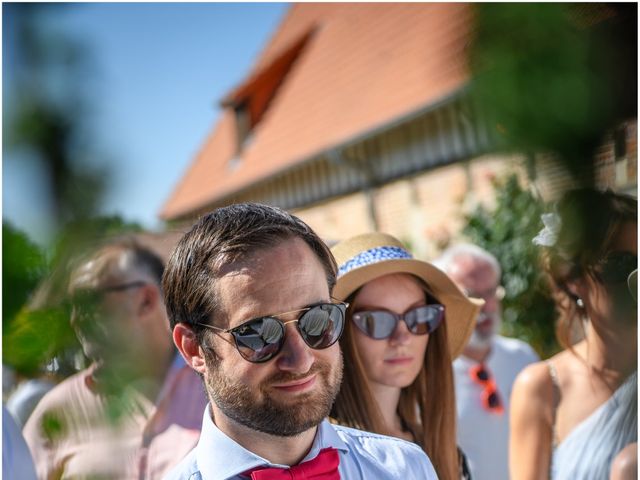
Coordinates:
(260,339)
(380,324)
(497,293)
(490,396)
(87,301)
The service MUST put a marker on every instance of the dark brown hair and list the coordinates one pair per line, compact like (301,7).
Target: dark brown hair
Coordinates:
(219,238)
(427,406)
(591,219)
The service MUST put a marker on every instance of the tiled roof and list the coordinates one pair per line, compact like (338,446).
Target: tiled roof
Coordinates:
(365,65)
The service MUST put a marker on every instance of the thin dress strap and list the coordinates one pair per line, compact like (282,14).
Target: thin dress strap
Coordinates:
(553,373)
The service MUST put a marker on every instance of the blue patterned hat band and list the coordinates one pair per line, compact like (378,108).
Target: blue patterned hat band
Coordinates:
(374,255)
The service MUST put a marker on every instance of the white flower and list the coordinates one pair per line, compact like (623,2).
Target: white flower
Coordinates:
(548,236)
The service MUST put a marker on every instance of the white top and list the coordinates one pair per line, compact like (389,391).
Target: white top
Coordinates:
(589,449)
(482,435)
(363,455)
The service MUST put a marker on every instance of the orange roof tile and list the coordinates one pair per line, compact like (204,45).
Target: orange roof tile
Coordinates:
(365,65)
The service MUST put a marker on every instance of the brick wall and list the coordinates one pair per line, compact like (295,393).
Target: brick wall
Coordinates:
(426,211)
(616,168)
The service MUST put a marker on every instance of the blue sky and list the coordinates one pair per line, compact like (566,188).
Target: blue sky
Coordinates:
(161,69)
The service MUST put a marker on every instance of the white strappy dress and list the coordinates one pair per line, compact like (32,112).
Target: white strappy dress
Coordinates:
(589,449)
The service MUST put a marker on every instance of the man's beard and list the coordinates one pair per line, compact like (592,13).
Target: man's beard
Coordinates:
(481,339)
(256,409)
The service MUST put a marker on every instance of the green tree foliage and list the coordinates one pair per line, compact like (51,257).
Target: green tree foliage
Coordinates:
(45,112)
(554,77)
(506,231)
(47,121)
(23,265)
(36,326)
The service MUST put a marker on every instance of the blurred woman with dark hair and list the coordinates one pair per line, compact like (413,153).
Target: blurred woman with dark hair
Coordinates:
(572,414)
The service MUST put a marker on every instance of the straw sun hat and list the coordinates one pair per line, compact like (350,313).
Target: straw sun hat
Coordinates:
(366,257)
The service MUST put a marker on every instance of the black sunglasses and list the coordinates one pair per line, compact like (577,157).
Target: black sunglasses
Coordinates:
(260,339)
(380,324)
(616,267)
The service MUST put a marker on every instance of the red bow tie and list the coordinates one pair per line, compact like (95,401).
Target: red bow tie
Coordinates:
(322,467)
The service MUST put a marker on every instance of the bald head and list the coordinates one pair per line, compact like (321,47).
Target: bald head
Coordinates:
(478,273)
(115,263)
(466,257)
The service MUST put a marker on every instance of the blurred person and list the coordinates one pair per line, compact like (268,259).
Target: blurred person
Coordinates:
(249,298)
(485,372)
(136,411)
(16,458)
(406,322)
(572,414)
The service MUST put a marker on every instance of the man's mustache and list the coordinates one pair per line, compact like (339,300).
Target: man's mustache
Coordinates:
(285,377)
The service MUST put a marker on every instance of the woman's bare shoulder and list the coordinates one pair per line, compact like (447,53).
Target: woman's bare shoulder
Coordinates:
(537,377)
(534,379)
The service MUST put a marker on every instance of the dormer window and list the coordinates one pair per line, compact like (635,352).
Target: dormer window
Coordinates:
(243,124)
(251,99)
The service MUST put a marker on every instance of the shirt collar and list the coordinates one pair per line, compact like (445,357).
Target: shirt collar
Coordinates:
(219,456)
(326,437)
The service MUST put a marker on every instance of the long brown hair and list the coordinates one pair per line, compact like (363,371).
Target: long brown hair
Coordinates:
(426,407)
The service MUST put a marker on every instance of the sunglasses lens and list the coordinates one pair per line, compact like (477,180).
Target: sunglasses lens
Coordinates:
(377,325)
(617,266)
(259,340)
(322,325)
(423,320)
(493,400)
(482,375)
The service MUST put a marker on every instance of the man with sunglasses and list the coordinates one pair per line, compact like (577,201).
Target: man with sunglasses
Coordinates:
(135,412)
(248,293)
(485,371)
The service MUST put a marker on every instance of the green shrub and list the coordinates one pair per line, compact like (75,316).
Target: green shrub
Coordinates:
(506,231)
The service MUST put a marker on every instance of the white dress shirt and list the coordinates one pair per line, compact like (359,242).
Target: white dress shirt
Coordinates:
(363,455)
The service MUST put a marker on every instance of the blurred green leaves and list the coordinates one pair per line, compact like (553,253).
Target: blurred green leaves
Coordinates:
(549,78)
(506,232)
(36,316)
(554,77)
(46,115)
(23,265)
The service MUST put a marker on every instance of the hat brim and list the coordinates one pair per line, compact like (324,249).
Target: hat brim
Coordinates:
(460,311)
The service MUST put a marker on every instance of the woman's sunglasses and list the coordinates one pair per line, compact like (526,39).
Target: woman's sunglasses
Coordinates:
(381,324)
(260,339)
(616,267)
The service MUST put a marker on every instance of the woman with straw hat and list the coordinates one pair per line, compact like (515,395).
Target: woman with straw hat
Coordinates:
(406,322)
